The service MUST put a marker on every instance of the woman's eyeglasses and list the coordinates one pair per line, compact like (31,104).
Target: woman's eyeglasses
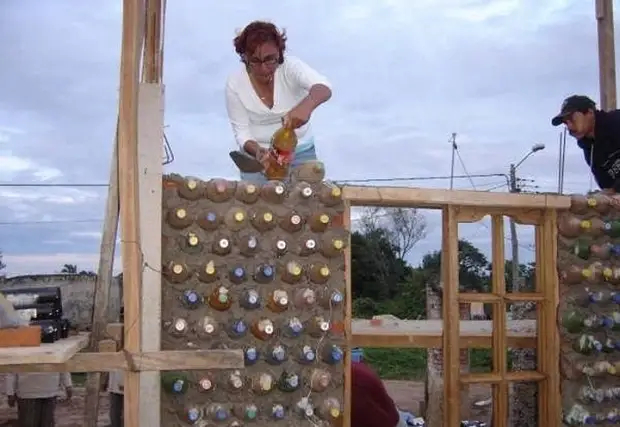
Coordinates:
(269,61)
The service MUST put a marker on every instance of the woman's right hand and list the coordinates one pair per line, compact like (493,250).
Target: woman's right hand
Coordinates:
(262,155)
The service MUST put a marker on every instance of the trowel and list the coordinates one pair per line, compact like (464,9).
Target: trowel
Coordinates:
(245,163)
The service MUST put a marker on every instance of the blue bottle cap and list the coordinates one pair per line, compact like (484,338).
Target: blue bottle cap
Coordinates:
(309,355)
(251,354)
(238,271)
(239,326)
(211,217)
(193,414)
(177,386)
(278,412)
(268,270)
(191,296)
(336,353)
(220,414)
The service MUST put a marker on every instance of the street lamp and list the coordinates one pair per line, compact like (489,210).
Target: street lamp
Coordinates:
(513,228)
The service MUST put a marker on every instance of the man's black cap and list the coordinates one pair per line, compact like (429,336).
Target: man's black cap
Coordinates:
(571,105)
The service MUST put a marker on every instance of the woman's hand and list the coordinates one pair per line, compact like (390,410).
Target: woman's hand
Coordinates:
(298,116)
(262,155)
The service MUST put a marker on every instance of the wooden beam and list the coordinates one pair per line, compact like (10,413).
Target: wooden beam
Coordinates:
(132,41)
(402,197)
(346,414)
(606,54)
(139,362)
(102,287)
(150,137)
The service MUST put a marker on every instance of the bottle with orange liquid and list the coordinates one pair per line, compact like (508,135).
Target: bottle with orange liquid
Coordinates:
(281,153)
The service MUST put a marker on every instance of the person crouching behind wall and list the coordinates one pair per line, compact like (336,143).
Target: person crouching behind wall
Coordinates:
(35,395)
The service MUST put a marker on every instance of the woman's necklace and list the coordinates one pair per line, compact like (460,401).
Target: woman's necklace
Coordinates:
(260,88)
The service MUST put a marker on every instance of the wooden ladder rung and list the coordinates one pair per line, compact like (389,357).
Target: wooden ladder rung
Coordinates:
(497,378)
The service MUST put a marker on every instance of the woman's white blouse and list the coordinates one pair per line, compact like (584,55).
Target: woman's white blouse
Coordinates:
(252,120)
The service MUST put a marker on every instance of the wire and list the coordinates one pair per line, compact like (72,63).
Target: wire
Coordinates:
(8,184)
(60,221)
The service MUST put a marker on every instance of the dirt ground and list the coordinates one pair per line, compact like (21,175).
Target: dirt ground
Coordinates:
(406,395)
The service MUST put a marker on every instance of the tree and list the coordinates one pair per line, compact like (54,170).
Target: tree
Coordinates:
(69,269)
(473,267)
(404,228)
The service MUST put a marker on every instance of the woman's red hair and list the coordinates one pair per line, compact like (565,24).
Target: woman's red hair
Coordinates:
(257,33)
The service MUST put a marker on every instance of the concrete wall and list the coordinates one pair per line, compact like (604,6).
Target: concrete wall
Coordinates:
(77,294)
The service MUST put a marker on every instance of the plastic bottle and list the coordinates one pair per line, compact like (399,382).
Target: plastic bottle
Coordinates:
(278,301)
(319,222)
(292,272)
(308,246)
(248,244)
(601,251)
(250,299)
(236,218)
(274,192)
(191,413)
(263,220)
(191,188)
(277,411)
(289,382)
(280,247)
(176,272)
(319,273)
(332,246)
(264,273)
(206,384)
(191,243)
(317,327)
(191,299)
(217,412)
(263,329)
(222,245)
(237,328)
(251,355)
(329,409)
(248,411)
(276,354)
(281,153)
(330,194)
(304,408)
(209,220)
(581,249)
(220,190)
(293,327)
(207,327)
(220,298)
(311,172)
(235,381)
(208,272)
(302,192)
(178,326)
(332,354)
(179,218)
(174,382)
(306,354)
(320,379)
(330,298)
(237,274)
(304,298)
(262,383)
(612,228)
(292,222)
(247,192)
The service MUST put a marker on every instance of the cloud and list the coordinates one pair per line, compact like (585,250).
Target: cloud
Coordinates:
(405,74)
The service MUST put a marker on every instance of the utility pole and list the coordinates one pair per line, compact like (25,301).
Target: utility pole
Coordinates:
(514,240)
(454,148)
(606,54)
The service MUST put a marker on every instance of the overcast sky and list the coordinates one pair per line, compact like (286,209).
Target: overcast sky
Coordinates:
(405,74)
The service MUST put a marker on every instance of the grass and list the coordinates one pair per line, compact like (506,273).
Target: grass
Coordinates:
(410,364)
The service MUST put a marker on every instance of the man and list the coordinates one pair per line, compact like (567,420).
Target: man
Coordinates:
(35,395)
(598,135)
(371,405)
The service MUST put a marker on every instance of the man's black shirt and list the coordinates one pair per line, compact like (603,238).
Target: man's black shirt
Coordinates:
(602,152)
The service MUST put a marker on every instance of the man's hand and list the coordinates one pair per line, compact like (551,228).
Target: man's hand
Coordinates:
(12,400)
(298,116)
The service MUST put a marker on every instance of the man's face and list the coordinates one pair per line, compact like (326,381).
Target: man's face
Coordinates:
(580,124)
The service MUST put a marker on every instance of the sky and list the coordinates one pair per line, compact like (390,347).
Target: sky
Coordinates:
(405,74)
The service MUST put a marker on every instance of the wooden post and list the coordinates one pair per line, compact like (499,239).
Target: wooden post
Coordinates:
(132,39)
(606,53)
(102,288)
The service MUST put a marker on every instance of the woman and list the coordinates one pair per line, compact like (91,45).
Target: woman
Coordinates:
(271,90)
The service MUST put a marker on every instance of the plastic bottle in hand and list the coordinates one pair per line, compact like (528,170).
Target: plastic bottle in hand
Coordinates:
(281,153)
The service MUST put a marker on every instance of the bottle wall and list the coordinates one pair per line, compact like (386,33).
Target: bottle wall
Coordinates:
(259,269)
(589,315)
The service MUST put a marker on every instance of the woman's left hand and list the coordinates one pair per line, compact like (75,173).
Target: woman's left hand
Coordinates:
(297,117)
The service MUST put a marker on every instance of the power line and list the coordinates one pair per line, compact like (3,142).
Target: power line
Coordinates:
(54,221)
(9,184)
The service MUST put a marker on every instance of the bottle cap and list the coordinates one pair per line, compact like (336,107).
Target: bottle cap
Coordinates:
(309,411)
(338,244)
(310,244)
(193,414)
(206,384)
(250,353)
(324,271)
(281,245)
(180,325)
(269,329)
(181,213)
(211,217)
(252,242)
(193,240)
(324,326)
(293,380)
(250,189)
(250,411)
(586,224)
(294,269)
(223,243)
(236,382)
(191,296)
(252,297)
(191,184)
(223,298)
(209,328)
(268,271)
(177,386)
(336,192)
(295,219)
(267,217)
(177,269)
(334,412)
(591,202)
(220,186)
(238,272)
(306,192)
(324,219)
(239,216)
(279,189)
(210,268)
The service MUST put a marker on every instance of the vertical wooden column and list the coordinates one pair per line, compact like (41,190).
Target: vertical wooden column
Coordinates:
(548,350)
(150,137)
(132,38)
(346,222)
(500,344)
(606,54)
(451,318)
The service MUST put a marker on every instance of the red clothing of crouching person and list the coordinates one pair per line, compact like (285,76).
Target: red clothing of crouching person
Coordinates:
(371,405)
